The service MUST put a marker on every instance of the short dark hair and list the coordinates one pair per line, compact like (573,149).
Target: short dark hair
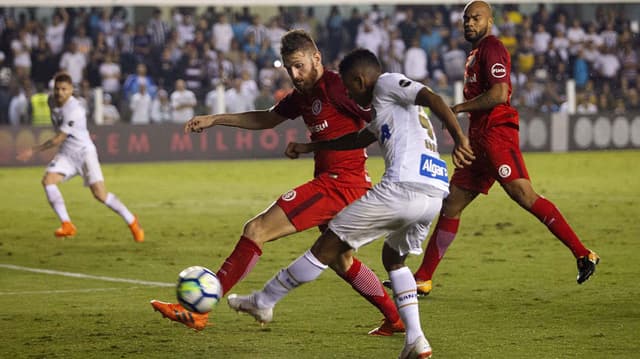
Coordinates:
(62,77)
(359,58)
(296,40)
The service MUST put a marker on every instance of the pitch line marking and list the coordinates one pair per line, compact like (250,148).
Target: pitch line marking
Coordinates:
(86,276)
(65,291)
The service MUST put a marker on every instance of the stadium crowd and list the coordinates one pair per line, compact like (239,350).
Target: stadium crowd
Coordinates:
(167,67)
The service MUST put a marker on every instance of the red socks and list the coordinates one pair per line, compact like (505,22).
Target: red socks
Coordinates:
(549,214)
(239,263)
(365,282)
(440,240)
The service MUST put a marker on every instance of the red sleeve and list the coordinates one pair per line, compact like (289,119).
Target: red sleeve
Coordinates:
(497,63)
(289,106)
(337,94)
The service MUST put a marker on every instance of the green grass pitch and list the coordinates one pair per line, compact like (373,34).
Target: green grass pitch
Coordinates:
(506,288)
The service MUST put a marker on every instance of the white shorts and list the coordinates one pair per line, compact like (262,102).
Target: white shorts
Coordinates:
(402,215)
(85,164)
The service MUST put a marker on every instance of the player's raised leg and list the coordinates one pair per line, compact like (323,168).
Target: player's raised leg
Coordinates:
(522,192)
(271,224)
(56,200)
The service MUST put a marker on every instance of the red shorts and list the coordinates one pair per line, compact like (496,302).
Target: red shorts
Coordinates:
(316,202)
(498,157)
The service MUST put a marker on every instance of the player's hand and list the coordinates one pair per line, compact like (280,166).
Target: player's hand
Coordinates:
(25,155)
(198,123)
(462,153)
(294,149)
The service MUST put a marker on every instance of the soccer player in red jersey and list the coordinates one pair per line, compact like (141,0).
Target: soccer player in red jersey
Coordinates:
(340,178)
(493,133)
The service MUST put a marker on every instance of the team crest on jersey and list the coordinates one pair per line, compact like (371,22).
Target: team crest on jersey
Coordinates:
(498,70)
(504,171)
(70,123)
(404,83)
(316,107)
(289,196)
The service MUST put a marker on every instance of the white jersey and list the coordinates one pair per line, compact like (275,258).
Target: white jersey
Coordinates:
(71,119)
(406,136)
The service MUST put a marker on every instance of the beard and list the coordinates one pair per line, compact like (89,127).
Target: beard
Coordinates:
(475,36)
(307,82)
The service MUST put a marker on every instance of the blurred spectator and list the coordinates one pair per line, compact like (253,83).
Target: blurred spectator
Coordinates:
(222,33)
(161,108)
(580,70)
(140,106)
(633,100)
(415,61)
(368,37)
(335,33)
(110,77)
(40,113)
(133,81)
(351,25)
(265,99)
(560,47)
(275,31)
(408,27)
(186,30)
(586,104)
(454,60)
(509,40)
(84,44)
(236,100)
(629,62)
(141,43)
(55,31)
(257,29)
(576,36)
(608,67)
(593,36)
(541,40)
(166,69)
(21,48)
(435,66)
(609,36)
(183,103)
(430,40)
(18,106)
(193,72)
(393,56)
(110,113)
(158,30)
(74,63)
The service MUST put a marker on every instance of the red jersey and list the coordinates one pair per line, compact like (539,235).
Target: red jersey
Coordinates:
(329,113)
(488,64)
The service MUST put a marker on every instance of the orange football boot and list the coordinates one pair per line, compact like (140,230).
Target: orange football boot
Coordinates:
(387,328)
(67,229)
(179,314)
(136,230)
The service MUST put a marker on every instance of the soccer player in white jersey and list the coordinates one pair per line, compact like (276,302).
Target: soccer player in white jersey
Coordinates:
(401,207)
(77,156)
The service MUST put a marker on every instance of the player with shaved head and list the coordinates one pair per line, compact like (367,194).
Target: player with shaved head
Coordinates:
(493,132)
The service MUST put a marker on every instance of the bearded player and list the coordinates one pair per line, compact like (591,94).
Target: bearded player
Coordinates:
(340,178)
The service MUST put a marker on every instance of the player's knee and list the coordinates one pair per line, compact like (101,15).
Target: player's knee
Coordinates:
(254,229)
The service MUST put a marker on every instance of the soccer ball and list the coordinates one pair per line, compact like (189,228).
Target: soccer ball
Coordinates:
(198,289)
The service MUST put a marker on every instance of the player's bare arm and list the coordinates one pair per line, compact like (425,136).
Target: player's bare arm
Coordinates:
(252,120)
(462,153)
(50,143)
(351,141)
(496,95)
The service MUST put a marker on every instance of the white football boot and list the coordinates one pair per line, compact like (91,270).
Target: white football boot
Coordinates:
(419,349)
(247,304)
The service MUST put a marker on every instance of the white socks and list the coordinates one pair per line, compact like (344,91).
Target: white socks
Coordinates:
(406,298)
(114,203)
(304,269)
(57,202)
